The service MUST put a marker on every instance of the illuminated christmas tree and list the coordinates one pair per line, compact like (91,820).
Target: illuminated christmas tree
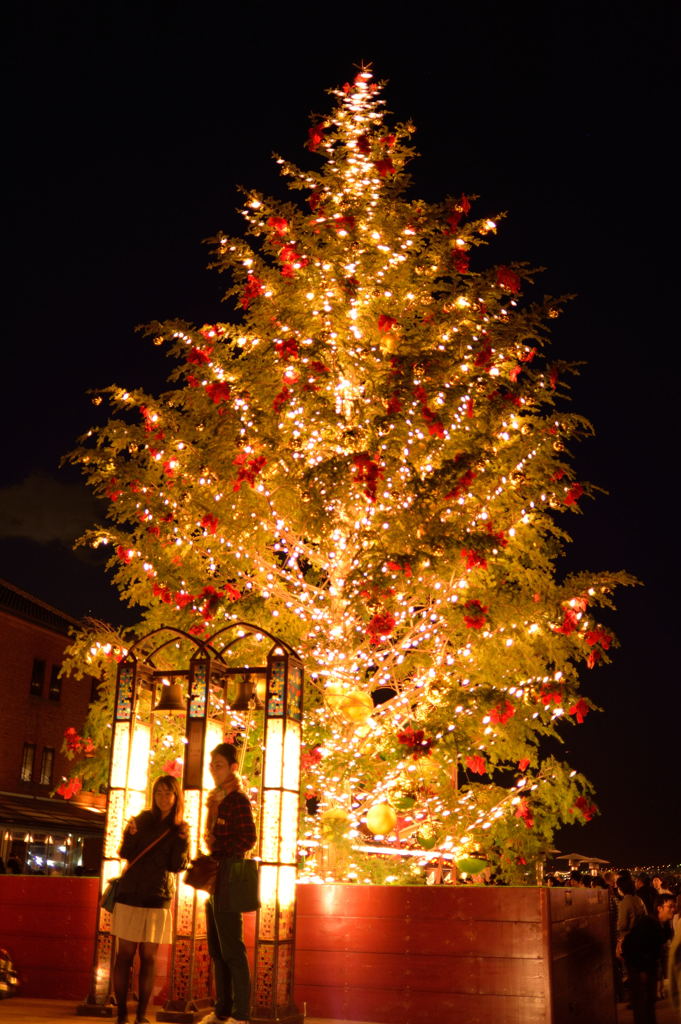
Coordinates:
(369,461)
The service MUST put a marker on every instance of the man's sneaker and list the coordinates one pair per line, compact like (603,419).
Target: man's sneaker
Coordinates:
(213,1018)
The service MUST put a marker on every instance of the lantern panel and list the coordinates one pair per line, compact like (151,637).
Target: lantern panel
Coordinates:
(134,804)
(214,735)
(139,757)
(102,964)
(274,740)
(184,909)
(270,825)
(182,963)
(268,900)
(114,823)
(192,816)
(284,975)
(286,920)
(292,757)
(289,828)
(264,971)
(287,887)
(119,757)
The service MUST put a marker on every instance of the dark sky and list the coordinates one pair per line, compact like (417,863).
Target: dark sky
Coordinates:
(128,134)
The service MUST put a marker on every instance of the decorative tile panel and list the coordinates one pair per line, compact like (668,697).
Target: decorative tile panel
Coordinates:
(126,674)
(275,689)
(295,692)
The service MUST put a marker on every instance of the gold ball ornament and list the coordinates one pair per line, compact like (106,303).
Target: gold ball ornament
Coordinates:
(335,822)
(427,769)
(381,819)
(352,705)
(357,706)
(334,696)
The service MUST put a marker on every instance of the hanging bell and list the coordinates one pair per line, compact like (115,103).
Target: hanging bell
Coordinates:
(245,693)
(171,700)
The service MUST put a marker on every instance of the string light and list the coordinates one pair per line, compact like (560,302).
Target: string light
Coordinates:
(371,462)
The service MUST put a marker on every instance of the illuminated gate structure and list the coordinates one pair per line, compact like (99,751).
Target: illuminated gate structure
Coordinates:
(200,692)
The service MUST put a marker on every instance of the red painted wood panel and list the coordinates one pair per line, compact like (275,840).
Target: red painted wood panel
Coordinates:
(580,957)
(465,974)
(421,934)
(400,1006)
(489,903)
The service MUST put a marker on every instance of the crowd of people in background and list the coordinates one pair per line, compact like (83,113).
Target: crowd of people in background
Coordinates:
(646,934)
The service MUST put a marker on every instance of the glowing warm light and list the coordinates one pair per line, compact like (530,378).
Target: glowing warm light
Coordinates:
(373,455)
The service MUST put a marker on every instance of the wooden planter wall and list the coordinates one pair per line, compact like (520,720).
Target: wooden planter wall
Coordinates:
(391,955)
(454,955)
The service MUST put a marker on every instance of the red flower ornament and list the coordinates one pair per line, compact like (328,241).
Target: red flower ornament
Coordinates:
(598,636)
(580,710)
(218,392)
(473,559)
(475,617)
(368,472)
(524,812)
(574,494)
(278,224)
(281,398)
(70,788)
(198,357)
(461,261)
(252,289)
(248,469)
(210,523)
(476,764)
(287,348)
(500,714)
(315,136)
(592,658)
(386,323)
(384,166)
(380,627)
(508,279)
(585,807)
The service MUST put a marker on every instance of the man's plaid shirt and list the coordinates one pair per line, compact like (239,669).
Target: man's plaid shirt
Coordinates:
(233,829)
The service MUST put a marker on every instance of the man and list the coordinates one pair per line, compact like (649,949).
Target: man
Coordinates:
(642,949)
(645,891)
(230,834)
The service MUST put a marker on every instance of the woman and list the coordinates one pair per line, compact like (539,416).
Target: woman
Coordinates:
(141,917)
(631,907)
(230,834)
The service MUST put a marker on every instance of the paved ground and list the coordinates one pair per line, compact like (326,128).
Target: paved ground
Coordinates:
(57,1011)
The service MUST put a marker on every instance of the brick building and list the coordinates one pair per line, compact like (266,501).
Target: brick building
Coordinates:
(42,831)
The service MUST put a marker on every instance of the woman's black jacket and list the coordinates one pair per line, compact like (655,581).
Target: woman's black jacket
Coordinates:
(149,883)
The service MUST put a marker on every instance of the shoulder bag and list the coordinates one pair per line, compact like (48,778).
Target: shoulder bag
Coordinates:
(203,873)
(238,884)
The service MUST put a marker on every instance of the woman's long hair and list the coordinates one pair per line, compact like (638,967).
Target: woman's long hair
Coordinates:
(176,816)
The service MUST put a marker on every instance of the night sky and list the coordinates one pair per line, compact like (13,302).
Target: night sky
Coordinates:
(128,135)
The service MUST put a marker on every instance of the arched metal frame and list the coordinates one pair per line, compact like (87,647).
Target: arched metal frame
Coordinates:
(189,984)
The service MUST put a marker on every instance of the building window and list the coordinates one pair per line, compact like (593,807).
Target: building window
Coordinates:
(55,683)
(46,766)
(38,677)
(27,762)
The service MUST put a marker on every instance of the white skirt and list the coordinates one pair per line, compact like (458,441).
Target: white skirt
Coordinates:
(142,924)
